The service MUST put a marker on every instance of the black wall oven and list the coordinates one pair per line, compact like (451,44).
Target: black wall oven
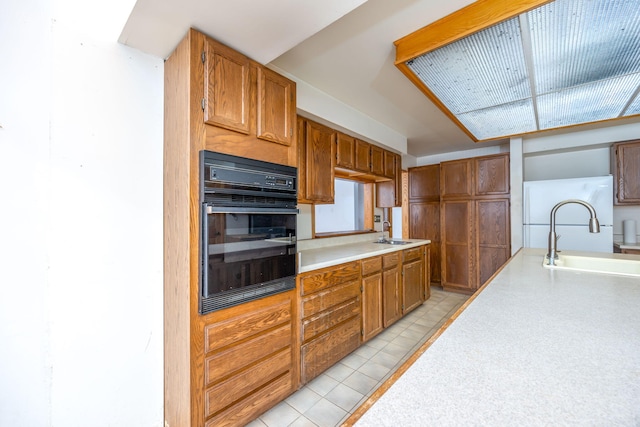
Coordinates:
(248,239)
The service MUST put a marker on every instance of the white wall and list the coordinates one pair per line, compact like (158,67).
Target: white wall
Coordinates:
(81,231)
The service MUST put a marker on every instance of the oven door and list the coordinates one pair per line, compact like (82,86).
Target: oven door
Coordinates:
(246,254)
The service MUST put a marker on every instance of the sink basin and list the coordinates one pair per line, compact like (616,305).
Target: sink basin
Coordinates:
(626,267)
(391,242)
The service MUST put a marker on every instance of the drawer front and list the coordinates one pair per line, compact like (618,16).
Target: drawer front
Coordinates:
(321,301)
(322,322)
(371,265)
(413,253)
(317,281)
(390,260)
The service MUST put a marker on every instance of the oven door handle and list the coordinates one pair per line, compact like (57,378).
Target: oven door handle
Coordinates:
(208,209)
(204,260)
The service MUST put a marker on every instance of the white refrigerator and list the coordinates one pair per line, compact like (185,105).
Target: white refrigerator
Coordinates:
(572,220)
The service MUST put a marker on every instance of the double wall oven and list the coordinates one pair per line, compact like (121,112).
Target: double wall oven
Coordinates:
(248,236)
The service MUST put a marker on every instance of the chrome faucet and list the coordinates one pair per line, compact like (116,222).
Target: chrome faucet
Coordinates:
(382,239)
(594,227)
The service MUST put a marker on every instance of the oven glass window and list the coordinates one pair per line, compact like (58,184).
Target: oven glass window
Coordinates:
(248,249)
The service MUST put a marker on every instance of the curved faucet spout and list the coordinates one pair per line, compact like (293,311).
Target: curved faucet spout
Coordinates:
(594,226)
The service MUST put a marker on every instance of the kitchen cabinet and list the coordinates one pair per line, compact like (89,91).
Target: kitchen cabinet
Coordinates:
(474,215)
(362,156)
(331,317)
(413,289)
(248,109)
(276,112)
(391,288)
(390,161)
(227,97)
(317,161)
(377,160)
(424,212)
(213,97)
(389,193)
(345,151)
(371,297)
(626,168)
(249,359)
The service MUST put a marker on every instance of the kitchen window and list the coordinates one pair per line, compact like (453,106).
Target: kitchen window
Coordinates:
(347,214)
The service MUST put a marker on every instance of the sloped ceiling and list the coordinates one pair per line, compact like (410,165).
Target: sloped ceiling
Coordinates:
(343,48)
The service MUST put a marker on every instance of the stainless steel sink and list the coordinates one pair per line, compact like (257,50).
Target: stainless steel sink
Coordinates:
(391,242)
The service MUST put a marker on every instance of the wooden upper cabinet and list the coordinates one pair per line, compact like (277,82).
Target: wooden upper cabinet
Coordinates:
(424,183)
(390,160)
(627,173)
(492,175)
(362,156)
(227,87)
(276,113)
(320,162)
(456,178)
(345,151)
(377,160)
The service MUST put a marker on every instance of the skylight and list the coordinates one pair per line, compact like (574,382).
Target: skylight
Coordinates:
(564,63)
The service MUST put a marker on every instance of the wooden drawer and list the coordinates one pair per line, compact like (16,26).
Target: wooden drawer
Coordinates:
(320,323)
(390,260)
(326,278)
(323,352)
(371,265)
(413,253)
(329,298)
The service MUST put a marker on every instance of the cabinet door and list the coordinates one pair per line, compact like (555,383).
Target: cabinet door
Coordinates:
(377,160)
(493,236)
(389,164)
(412,284)
(276,107)
(363,156)
(456,179)
(492,175)
(345,151)
(302,160)
(391,294)
(424,223)
(227,93)
(371,306)
(427,271)
(320,155)
(457,249)
(424,183)
(627,173)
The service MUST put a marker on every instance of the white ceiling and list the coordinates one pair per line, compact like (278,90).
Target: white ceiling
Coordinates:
(341,47)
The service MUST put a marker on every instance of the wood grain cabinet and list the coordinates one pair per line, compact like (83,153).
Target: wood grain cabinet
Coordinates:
(371,297)
(377,160)
(626,167)
(331,317)
(362,156)
(413,289)
(316,147)
(391,288)
(345,151)
(424,212)
(474,215)
(276,111)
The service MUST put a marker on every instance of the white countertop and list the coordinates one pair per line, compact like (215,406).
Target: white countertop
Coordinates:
(362,247)
(535,347)
(624,245)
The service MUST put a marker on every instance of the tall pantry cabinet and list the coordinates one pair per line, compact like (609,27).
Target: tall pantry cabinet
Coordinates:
(228,366)
(473,231)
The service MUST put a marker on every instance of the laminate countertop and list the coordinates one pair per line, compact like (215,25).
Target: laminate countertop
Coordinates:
(535,346)
(321,253)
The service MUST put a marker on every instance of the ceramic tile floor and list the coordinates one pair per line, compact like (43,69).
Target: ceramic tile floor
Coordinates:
(330,398)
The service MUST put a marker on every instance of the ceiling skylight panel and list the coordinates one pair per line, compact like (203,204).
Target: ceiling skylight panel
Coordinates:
(484,69)
(580,41)
(601,100)
(507,119)
(634,108)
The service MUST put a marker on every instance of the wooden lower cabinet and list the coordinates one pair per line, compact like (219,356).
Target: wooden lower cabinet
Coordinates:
(250,362)
(371,297)
(412,278)
(391,288)
(331,317)
(458,263)
(493,236)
